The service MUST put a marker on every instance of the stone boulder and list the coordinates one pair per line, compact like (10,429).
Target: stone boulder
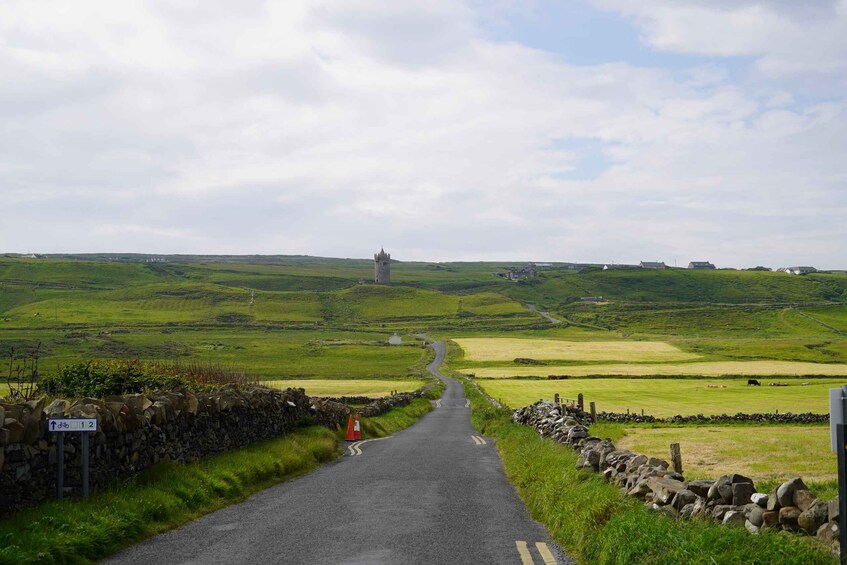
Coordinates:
(785,491)
(813,517)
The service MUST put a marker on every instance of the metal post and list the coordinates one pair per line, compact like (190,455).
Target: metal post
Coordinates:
(85,465)
(60,460)
(842,481)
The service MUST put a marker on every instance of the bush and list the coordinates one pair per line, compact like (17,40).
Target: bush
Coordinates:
(103,378)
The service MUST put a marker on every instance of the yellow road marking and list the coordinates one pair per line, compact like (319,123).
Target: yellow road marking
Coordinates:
(355,448)
(546,554)
(475,440)
(523,551)
(438,403)
(479,440)
(468,403)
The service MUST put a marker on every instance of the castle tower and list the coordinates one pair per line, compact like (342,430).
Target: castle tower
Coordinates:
(382,267)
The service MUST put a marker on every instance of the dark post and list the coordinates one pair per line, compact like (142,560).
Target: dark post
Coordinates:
(676,458)
(841,442)
(556,399)
(642,411)
(593,412)
(579,403)
(60,461)
(85,464)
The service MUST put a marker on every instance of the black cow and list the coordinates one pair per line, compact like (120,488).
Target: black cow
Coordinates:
(753,382)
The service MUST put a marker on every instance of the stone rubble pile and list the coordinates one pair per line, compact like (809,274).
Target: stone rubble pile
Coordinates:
(731,499)
(135,431)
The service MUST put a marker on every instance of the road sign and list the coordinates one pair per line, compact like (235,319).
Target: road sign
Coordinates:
(836,415)
(72,424)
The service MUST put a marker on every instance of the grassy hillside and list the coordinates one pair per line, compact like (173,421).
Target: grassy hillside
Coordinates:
(555,288)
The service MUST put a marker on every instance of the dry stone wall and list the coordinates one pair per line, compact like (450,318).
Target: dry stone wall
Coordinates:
(731,499)
(773,418)
(135,432)
(334,412)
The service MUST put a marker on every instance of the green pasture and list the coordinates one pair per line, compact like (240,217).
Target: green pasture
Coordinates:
(270,354)
(669,397)
(763,453)
(374,388)
(179,302)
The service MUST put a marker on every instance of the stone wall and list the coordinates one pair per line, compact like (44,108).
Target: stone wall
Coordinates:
(135,432)
(786,418)
(334,412)
(731,499)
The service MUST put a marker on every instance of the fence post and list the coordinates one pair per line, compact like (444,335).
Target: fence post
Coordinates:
(593,412)
(676,458)
(579,403)
(556,399)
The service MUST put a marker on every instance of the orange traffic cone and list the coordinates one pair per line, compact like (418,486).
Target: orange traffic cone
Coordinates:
(350,434)
(357,431)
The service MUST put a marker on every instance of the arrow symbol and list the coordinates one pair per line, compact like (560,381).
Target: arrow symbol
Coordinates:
(52,426)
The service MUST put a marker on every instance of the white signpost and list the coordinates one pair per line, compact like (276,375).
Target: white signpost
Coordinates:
(837,411)
(62,426)
(72,424)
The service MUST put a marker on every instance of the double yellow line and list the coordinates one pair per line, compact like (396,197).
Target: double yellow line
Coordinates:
(543,550)
(479,440)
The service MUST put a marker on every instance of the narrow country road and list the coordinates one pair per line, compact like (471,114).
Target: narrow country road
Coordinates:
(433,493)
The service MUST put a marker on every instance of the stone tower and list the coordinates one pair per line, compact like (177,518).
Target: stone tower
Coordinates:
(382,267)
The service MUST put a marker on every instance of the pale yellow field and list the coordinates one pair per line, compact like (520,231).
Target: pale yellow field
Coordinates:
(761,453)
(507,349)
(709,369)
(373,388)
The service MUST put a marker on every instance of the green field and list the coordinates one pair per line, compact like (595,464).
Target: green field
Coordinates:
(297,317)
(373,388)
(763,453)
(669,397)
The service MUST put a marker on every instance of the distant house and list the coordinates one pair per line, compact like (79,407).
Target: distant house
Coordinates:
(700,265)
(798,270)
(652,265)
(592,299)
(617,266)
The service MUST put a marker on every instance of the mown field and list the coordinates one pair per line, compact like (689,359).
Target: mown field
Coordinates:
(709,369)
(763,453)
(508,349)
(669,397)
(373,388)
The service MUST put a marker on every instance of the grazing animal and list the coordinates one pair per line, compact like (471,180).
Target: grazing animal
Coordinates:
(753,382)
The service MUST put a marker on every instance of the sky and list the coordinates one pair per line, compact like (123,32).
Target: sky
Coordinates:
(583,130)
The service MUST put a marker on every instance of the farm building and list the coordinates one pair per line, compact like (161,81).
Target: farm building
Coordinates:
(653,265)
(798,270)
(617,266)
(700,265)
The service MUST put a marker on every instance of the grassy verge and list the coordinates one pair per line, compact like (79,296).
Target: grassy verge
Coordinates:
(595,524)
(171,494)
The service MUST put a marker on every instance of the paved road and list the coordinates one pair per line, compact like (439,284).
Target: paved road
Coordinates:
(546,315)
(433,493)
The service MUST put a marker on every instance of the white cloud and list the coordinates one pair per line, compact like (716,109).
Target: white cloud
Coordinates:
(303,127)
